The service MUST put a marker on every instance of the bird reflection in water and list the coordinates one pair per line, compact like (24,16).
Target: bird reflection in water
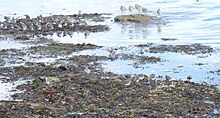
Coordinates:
(135,31)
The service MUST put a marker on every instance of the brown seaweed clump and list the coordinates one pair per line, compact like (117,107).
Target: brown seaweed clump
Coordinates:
(82,89)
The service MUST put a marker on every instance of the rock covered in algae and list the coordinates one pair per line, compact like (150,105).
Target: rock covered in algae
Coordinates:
(137,18)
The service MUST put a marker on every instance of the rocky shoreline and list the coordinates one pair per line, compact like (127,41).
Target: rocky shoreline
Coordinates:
(79,85)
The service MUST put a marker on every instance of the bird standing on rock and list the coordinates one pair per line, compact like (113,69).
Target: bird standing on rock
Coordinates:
(79,13)
(87,70)
(23,26)
(85,22)
(123,9)
(145,10)
(138,7)
(27,17)
(189,78)
(13,20)
(128,82)
(131,8)
(168,78)
(6,18)
(152,76)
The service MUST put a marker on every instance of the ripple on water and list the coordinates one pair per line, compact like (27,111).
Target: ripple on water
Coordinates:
(187,19)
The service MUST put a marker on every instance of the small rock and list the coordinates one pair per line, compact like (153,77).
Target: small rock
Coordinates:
(22,37)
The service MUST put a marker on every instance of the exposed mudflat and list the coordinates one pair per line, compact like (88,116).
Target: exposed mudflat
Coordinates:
(183,48)
(78,86)
(61,81)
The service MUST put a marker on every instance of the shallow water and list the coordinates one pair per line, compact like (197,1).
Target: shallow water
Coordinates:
(8,89)
(176,65)
(9,44)
(187,20)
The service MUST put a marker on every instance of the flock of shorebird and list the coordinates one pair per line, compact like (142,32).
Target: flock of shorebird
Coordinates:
(139,9)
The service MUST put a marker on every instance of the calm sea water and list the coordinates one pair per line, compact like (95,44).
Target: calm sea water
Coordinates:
(190,21)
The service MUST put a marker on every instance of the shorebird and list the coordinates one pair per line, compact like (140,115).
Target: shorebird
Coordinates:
(49,26)
(79,13)
(13,20)
(59,34)
(189,78)
(168,78)
(104,71)
(85,22)
(23,26)
(145,10)
(86,34)
(128,82)
(131,8)
(27,17)
(87,70)
(70,33)
(6,18)
(138,7)
(158,12)
(123,9)
(31,27)
(152,76)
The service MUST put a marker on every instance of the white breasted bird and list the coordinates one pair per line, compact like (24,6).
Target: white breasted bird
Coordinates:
(138,7)
(131,8)
(128,82)
(152,76)
(87,70)
(123,9)
(145,10)
(6,18)
(79,13)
